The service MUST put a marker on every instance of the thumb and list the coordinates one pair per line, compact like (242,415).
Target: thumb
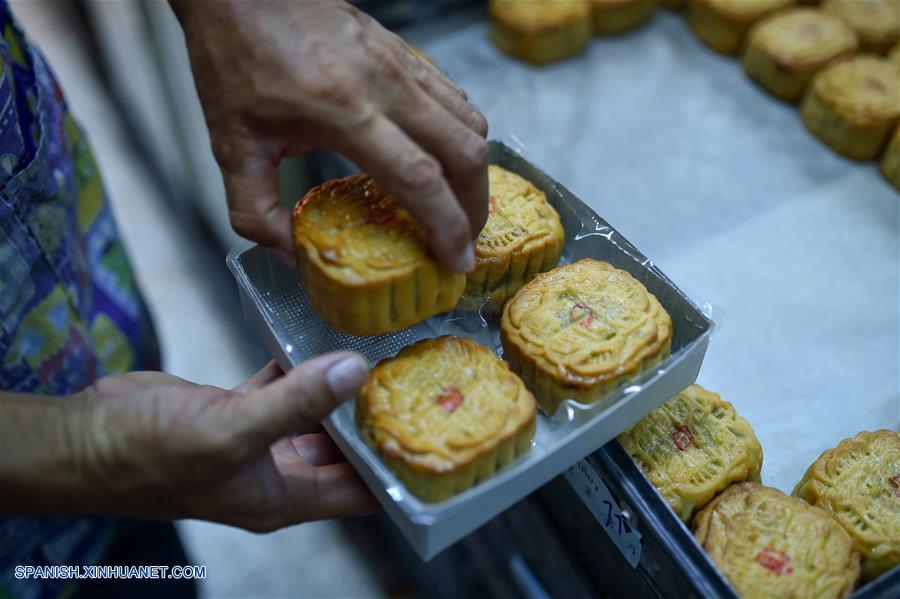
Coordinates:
(297,402)
(250,172)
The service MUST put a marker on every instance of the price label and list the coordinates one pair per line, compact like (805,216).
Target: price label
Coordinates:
(597,498)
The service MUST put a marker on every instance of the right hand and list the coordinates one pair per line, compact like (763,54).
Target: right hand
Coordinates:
(278,78)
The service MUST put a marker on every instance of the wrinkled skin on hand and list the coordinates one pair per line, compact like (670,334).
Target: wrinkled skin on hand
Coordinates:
(157,446)
(278,78)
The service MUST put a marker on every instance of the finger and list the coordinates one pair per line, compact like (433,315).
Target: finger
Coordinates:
(336,491)
(317,449)
(250,172)
(382,149)
(461,152)
(445,91)
(263,376)
(298,401)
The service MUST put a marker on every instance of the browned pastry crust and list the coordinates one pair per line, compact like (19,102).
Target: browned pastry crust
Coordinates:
(540,31)
(364,261)
(853,105)
(877,22)
(617,16)
(723,24)
(771,545)
(582,330)
(444,414)
(858,482)
(785,50)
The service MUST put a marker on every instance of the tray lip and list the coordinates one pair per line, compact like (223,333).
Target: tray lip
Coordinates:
(655,514)
(419,515)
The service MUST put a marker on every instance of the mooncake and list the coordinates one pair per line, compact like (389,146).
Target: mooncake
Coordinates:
(615,16)
(581,330)
(364,261)
(522,237)
(723,24)
(858,482)
(853,105)
(540,31)
(692,447)
(890,162)
(877,22)
(785,50)
(770,545)
(444,414)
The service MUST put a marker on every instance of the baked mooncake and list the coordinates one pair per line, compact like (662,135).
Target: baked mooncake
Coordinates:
(858,482)
(581,330)
(890,162)
(615,16)
(364,261)
(853,105)
(541,31)
(877,22)
(522,237)
(444,414)
(770,545)
(784,50)
(692,447)
(723,24)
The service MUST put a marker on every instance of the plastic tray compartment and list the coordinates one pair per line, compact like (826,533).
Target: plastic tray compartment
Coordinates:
(277,309)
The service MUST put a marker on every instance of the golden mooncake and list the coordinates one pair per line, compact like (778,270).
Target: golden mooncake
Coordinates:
(615,16)
(581,330)
(890,162)
(540,31)
(692,447)
(858,482)
(723,24)
(364,261)
(853,105)
(785,50)
(522,237)
(877,22)
(444,414)
(770,545)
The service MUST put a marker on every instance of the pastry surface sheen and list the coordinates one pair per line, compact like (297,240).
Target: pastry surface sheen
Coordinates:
(444,414)
(785,50)
(853,105)
(877,22)
(692,447)
(522,237)
(858,482)
(723,24)
(540,31)
(616,16)
(364,261)
(770,545)
(581,330)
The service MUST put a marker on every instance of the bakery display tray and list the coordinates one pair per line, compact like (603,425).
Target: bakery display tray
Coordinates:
(672,563)
(277,309)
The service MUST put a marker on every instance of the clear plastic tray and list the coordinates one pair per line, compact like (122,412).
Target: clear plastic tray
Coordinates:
(276,306)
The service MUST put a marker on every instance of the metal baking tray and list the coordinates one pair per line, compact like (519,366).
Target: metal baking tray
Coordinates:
(277,309)
(672,564)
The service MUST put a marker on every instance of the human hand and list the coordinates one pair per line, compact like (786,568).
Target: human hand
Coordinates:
(148,444)
(278,78)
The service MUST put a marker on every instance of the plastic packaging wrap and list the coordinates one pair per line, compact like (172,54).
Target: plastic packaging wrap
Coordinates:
(278,310)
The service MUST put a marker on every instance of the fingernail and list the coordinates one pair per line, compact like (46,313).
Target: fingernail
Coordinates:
(466,261)
(346,376)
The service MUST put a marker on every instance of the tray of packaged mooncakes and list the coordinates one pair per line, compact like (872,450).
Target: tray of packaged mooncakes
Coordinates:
(280,312)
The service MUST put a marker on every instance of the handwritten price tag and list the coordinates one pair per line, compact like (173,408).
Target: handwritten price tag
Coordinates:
(597,498)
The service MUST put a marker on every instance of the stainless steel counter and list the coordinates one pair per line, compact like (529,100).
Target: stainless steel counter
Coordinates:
(722,186)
